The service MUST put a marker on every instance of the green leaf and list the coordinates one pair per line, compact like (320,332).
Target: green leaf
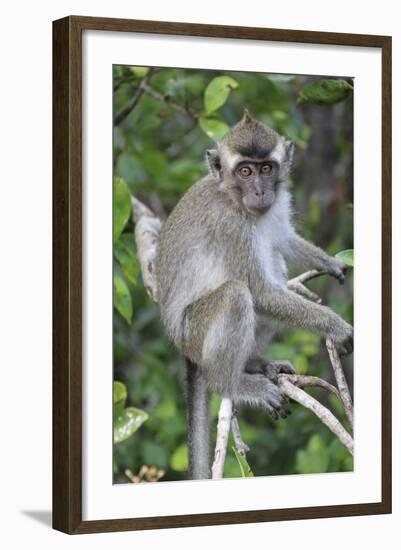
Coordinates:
(121,206)
(279,116)
(314,459)
(213,128)
(179,459)
(140,72)
(325,92)
(129,167)
(346,256)
(301,364)
(122,298)
(119,397)
(125,254)
(155,162)
(127,423)
(314,210)
(217,92)
(119,392)
(243,464)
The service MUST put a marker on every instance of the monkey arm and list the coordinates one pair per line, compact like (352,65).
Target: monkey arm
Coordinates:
(291,310)
(306,255)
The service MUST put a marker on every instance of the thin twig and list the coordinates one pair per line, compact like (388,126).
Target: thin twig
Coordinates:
(125,111)
(296,285)
(166,99)
(223,430)
(326,416)
(302,381)
(239,443)
(307,276)
(341,381)
(124,80)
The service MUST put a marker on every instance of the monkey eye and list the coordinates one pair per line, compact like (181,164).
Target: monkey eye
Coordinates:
(266,168)
(245,171)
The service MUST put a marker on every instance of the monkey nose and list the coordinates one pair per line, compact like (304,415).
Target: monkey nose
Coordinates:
(259,193)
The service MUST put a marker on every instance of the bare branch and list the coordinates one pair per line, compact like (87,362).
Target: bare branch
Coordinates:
(301,381)
(133,102)
(307,276)
(223,430)
(240,445)
(147,233)
(326,416)
(296,285)
(341,381)
(165,99)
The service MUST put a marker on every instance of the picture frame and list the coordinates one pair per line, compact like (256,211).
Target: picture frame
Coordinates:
(68,289)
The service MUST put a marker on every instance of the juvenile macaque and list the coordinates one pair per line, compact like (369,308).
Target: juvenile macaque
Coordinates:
(222,275)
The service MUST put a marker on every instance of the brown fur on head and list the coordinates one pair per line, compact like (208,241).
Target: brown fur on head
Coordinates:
(250,138)
(251,143)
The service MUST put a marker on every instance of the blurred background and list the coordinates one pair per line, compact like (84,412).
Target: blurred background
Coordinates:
(164,119)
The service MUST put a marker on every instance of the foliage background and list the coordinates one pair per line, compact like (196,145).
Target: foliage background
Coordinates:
(158,153)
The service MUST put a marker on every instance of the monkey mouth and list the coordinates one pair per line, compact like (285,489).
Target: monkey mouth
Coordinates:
(259,204)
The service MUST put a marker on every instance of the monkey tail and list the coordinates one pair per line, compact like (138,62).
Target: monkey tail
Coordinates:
(198,421)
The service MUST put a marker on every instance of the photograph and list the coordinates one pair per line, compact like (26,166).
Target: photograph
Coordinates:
(233,255)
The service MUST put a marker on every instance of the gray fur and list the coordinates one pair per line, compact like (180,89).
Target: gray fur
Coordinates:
(222,274)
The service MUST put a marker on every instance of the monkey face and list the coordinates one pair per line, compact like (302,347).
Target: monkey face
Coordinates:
(257,182)
(250,163)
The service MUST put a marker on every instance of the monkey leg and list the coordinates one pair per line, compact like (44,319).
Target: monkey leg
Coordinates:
(220,337)
(259,391)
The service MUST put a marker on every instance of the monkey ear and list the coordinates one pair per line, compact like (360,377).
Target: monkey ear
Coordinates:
(286,164)
(289,152)
(213,162)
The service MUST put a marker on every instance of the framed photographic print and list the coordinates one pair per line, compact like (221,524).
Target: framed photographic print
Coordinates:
(222,274)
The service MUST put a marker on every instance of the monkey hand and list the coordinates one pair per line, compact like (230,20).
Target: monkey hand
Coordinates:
(338,269)
(342,335)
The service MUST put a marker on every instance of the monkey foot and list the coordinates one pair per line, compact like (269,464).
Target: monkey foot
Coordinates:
(272,369)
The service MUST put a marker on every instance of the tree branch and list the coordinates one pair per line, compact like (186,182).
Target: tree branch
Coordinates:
(223,430)
(133,102)
(320,411)
(302,381)
(239,443)
(296,285)
(345,395)
(165,99)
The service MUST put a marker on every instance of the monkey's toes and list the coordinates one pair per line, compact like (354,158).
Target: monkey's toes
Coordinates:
(276,403)
(285,367)
(273,368)
(281,412)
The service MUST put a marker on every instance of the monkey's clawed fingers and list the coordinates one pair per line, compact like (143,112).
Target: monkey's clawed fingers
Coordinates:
(276,403)
(346,347)
(339,271)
